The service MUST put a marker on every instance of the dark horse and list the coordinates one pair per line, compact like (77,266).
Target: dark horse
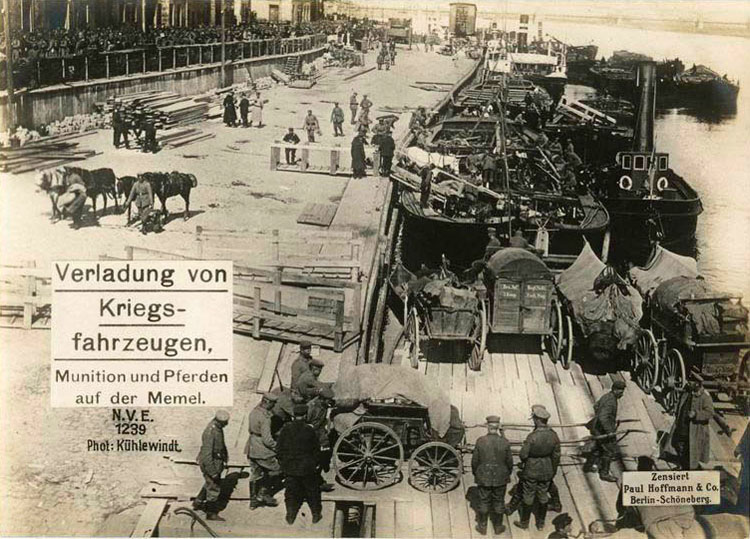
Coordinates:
(100,181)
(164,185)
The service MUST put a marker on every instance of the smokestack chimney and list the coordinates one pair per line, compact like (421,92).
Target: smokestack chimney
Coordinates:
(645,124)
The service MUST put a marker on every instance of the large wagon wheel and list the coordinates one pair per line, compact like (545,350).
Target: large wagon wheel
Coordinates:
(413,336)
(645,361)
(479,339)
(566,346)
(435,467)
(673,378)
(368,456)
(554,337)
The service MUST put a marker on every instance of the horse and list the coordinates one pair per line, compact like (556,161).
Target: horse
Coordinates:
(100,181)
(164,185)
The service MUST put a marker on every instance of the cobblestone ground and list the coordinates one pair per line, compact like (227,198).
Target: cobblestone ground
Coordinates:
(52,484)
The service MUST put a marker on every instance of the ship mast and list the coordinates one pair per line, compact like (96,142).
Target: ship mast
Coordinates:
(644,136)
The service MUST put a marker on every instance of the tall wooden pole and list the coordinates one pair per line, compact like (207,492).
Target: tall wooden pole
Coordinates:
(223,43)
(9,64)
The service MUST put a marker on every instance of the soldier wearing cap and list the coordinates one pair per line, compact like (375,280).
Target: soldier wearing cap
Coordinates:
(491,464)
(261,451)
(283,408)
(563,526)
(302,363)
(540,455)
(493,244)
(298,452)
(212,458)
(309,385)
(690,432)
(317,418)
(604,426)
(119,125)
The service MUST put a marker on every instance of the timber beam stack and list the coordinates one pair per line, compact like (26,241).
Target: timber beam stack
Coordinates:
(169,108)
(44,153)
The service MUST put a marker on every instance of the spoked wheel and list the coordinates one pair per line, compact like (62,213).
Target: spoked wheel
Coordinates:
(554,337)
(368,456)
(743,380)
(672,379)
(413,336)
(435,467)
(566,345)
(644,363)
(479,339)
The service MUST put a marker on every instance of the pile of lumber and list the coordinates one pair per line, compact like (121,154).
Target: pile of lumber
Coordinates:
(43,153)
(171,109)
(184,137)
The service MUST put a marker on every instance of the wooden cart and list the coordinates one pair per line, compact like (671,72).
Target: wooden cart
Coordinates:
(369,455)
(674,345)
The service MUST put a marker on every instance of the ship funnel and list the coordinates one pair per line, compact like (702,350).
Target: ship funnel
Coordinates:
(644,141)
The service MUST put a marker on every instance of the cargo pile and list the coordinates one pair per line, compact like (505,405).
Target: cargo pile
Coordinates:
(168,108)
(42,153)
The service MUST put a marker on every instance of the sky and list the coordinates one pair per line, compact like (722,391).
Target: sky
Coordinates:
(714,10)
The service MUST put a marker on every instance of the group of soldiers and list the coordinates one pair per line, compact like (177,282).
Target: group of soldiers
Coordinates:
(492,465)
(138,120)
(289,445)
(386,55)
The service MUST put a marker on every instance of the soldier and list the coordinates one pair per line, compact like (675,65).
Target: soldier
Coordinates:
(309,385)
(491,464)
(148,127)
(290,152)
(302,364)
(337,118)
(365,104)
(143,197)
(604,424)
(244,109)
(317,418)
(298,451)
(118,126)
(493,244)
(425,185)
(690,432)
(353,106)
(261,451)
(212,458)
(563,527)
(283,408)
(312,126)
(387,149)
(540,455)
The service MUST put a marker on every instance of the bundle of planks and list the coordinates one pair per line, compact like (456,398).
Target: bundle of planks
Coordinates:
(46,152)
(169,108)
(183,138)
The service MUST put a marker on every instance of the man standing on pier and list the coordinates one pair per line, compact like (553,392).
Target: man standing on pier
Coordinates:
(690,432)
(540,455)
(291,152)
(491,464)
(211,459)
(311,126)
(301,365)
(603,427)
(261,451)
(353,106)
(337,118)
(387,150)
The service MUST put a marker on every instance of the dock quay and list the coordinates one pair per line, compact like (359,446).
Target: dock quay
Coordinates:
(316,258)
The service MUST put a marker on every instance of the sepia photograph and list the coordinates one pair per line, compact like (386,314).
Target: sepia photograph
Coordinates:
(358,268)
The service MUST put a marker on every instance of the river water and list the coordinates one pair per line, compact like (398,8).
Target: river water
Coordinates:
(711,153)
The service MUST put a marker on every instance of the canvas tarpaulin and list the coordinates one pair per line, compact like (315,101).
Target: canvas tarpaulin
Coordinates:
(663,265)
(599,300)
(381,381)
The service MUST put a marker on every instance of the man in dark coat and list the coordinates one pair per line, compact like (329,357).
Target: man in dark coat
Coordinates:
(302,364)
(317,418)
(604,424)
(291,152)
(493,244)
(540,455)
(119,127)
(309,385)
(491,464)
(244,109)
(298,451)
(212,458)
(230,113)
(358,156)
(387,149)
(690,431)
(283,409)
(425,186)
(261,451)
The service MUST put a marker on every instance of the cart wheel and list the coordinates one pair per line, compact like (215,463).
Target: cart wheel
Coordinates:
(554,337)
(479,341)
(645,361)
(566,345)
(413,336)
(672,378)
(743,379)
(368,456)
(435,467)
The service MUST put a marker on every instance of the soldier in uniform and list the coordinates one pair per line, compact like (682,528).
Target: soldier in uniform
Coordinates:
(690,431)
(118,126)
(302,363)
(491,464)
(604,423)
(143,197)
(283,408)
(212,458)
(317,418)
(244,109)
(563,527)
(353,107)
(261,451)
(493,244)
(540,455)
(337,118)
(309,385)
(387,150)
(365,104)
(311,126)
(298,451)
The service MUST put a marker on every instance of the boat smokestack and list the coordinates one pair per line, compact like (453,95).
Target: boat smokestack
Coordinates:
(645,124)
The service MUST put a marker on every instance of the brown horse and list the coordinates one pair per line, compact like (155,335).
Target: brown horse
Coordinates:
(164,185)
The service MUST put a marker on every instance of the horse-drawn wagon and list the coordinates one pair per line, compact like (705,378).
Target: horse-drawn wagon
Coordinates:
(594,308)
(400,415)
(689,329)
